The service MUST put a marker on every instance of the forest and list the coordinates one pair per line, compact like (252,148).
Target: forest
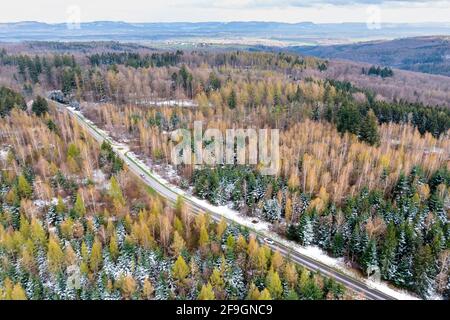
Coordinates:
(364,177)
(378,71)
(74,224)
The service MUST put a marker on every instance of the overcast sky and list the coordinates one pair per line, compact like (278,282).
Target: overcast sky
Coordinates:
(226,10)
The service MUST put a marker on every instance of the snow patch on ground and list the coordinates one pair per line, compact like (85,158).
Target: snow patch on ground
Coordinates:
(43,203)
(233,215)
(99,179)
(318,254)
(4,154)
(396,293)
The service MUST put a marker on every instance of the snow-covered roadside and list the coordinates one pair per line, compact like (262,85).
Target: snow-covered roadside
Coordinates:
(396,293)
(263,228)
(313,252)
(318,254)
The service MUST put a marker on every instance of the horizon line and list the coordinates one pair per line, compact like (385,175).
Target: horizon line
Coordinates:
(223,22)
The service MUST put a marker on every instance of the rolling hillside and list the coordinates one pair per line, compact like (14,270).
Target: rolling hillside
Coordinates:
(422,54)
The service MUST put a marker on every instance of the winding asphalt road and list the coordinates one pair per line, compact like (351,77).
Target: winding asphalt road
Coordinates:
(172,195)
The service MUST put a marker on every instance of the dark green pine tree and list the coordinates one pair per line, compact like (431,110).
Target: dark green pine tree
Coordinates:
(67,81)
(436,205)
(251,186)
(299,94)
(348,119)
(441,176)
(389,254)
(37,64)
(364,241)
(329,114)
(201,184)
(338,245)
(305,231)
(277,99)
(402,195)
(436,238)
(10,99)
(402,187)
(416,178)
(404,275)
(311,291)
(355,249)
(214,82)
(214,182)
(316,113)
(331,286)
(369,260)
(292,233)
(40,106)
(232,99)
(47,69)
(424,272)
(21,64)
(323,232)
(369,129)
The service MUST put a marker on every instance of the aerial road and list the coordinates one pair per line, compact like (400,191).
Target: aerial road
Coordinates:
(172,194)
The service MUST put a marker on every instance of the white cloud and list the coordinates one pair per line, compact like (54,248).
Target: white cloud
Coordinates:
(226,10)
(232,4)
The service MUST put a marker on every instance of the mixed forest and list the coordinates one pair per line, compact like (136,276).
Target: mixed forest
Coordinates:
(364,177)
(74,224)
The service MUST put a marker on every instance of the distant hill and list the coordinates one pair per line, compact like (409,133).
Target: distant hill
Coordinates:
(288,33)
(422,54)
